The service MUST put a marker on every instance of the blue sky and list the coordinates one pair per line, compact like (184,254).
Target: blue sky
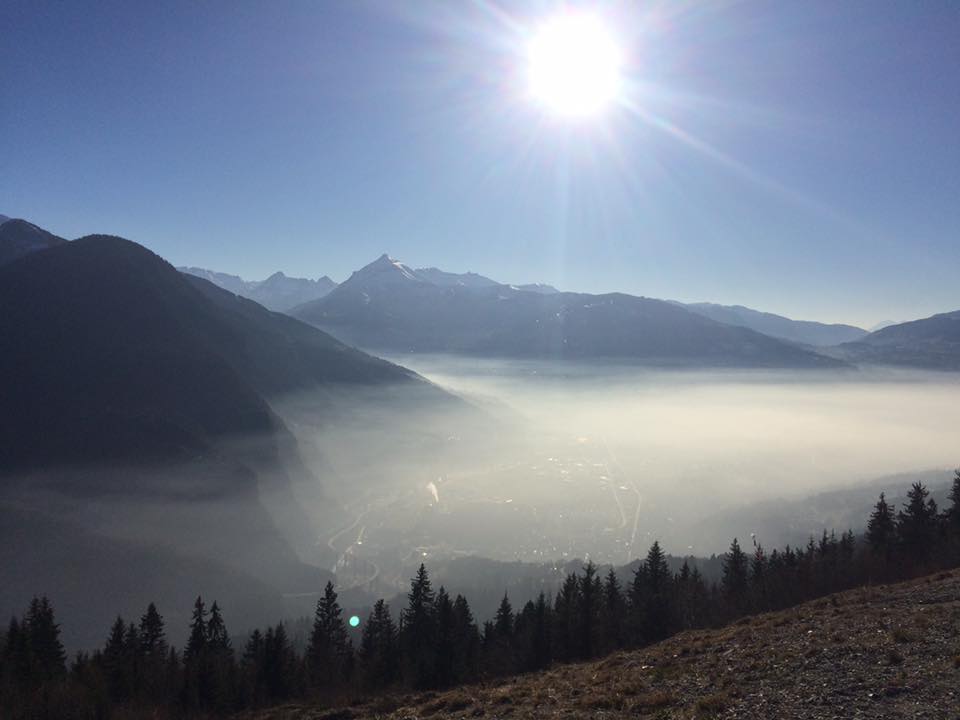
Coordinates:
(798,157)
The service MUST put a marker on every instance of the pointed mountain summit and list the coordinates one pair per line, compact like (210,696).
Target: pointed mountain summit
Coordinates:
(387,306)
(279,292)
(383,270)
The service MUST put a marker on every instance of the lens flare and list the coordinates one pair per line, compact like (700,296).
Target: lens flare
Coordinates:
(574,66)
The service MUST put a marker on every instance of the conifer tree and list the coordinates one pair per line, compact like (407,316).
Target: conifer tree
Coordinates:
(735,578)
(466,640)
(153,640)
(330,652)
(379,659)
(759,579)
(591,601)
(279,662)
(218,640)
(612,613)
(951,515)
(115,661)
(47,658)
(197,640)
(881,529)
(419,632)
(445,651)
(637,605)
(566,614)
(917,524)
(658,598)
(541,642)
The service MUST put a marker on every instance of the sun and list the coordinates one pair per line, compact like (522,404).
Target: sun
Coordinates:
(574,66)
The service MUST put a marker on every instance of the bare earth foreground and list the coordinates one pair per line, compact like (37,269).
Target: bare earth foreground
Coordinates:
(881,652)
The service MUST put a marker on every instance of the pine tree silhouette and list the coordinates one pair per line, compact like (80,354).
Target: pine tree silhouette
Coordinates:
(917,524)
(419,632)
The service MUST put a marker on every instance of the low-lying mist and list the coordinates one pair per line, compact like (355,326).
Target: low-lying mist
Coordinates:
(547,462)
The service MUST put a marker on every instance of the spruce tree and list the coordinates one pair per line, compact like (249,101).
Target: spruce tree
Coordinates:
(466,640)
(566,616)
(378,648)
(114,660)
(330,652)
(951,515)
(612,612)
(445,651)
(881,529)
(419,632)
(734,579)
(591,599)
(758,579)
(152,634)
(46,650)
(218,640)
(917,524)
(637,605)
(658,598)
(197,640)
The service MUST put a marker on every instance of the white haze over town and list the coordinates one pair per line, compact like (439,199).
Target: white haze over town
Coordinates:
(567,461)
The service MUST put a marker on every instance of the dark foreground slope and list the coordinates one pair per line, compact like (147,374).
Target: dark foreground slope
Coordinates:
(880,652)
(139,450)
(19,238)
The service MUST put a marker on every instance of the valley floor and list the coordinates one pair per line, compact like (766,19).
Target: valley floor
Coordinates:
(879,652)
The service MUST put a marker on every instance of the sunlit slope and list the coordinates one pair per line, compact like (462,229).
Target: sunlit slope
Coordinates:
(887,651)
(805,332)
(387,306)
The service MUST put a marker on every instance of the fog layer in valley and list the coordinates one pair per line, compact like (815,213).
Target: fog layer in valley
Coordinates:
(552,462)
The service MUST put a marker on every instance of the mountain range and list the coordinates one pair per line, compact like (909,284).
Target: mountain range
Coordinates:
(278,292)
(389,306)
(804,332)
(931,343)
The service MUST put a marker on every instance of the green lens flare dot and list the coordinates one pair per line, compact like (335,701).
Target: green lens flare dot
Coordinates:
(354,621)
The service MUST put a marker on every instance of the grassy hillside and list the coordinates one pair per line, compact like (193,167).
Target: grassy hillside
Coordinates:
(885,651)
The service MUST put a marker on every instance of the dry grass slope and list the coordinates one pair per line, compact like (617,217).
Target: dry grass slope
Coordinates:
(881,652)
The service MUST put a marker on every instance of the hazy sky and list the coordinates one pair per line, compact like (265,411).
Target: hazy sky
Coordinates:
(800,157)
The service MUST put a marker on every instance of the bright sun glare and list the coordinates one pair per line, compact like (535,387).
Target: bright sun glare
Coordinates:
(574,66)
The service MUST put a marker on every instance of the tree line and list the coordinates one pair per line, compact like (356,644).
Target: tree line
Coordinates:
(435,641)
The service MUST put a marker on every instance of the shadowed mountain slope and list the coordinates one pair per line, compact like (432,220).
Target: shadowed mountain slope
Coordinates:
(19,238)
(932,343)
(804,332)
(111,354)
